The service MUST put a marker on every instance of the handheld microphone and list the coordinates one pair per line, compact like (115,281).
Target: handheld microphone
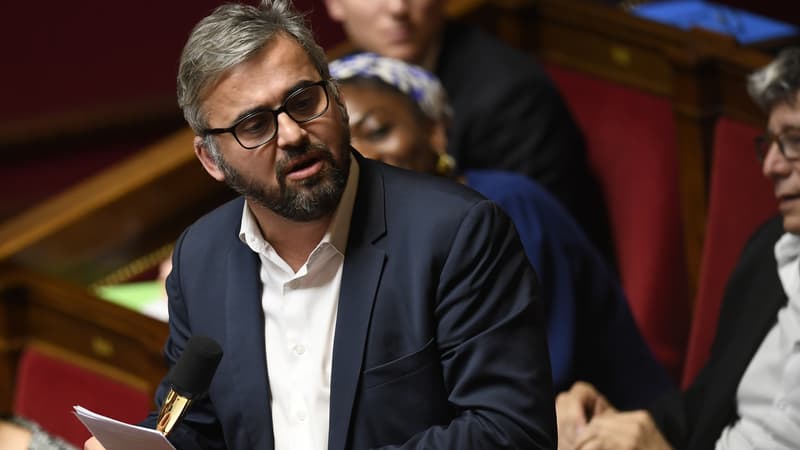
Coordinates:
(189,379)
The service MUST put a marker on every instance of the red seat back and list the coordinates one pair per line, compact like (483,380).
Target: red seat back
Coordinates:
(632,149)
(49,385)
(740,200)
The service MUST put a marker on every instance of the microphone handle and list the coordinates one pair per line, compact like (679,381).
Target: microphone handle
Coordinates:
(175,406)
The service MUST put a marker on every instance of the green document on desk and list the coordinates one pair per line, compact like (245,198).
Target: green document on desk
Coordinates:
(146,297)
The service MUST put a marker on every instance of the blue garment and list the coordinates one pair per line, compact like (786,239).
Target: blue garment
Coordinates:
(591,333)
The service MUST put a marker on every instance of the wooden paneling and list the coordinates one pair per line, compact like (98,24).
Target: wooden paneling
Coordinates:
(52,254)
(127,211)
(64,318)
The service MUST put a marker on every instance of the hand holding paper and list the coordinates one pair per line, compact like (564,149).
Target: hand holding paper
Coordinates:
(116,435)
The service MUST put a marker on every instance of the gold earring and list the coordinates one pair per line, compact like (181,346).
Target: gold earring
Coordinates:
(445,165)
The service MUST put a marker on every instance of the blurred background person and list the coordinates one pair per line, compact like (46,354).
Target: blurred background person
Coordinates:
(399,114)
(18,433)
(507,114)
(748,393)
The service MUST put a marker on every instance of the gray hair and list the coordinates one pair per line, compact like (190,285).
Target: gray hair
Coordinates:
(230,35)
(778,82)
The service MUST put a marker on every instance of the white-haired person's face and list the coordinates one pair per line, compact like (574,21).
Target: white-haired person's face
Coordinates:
(402,29)
(782,160)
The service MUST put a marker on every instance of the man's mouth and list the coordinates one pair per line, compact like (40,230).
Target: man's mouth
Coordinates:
(304,166)
(304,169)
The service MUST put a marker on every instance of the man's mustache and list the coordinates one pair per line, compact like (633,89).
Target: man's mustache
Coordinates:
(304,153)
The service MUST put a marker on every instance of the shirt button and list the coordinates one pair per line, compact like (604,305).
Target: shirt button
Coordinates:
(299,349)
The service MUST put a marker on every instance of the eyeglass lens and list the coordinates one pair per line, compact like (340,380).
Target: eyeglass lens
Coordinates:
(788,145)
(304,105)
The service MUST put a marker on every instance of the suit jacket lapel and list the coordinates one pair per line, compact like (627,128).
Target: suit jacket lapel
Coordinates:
(246,347)
(360,278)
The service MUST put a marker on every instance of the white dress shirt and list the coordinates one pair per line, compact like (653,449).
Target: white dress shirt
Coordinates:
(299,322)
(768,398)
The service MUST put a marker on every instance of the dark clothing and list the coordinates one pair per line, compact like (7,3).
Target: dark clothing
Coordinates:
(695,419)
(439,339)
(508,115)
(591,333)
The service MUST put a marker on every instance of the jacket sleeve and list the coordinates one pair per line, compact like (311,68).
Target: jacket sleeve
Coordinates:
(201,431)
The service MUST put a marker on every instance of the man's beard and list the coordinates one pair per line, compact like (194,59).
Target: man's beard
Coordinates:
(311,198)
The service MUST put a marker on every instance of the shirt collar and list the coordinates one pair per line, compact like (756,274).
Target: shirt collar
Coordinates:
(336,235)
(787,248)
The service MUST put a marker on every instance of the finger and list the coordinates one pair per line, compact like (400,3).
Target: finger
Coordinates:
(570,418)
(620,430)
(601,406)
(593,442)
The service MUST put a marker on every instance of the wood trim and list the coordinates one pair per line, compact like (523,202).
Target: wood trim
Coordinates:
(48,217)
(69,357)
(66,321)
(18,138)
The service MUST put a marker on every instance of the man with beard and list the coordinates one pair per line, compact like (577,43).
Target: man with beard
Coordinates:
(358,305)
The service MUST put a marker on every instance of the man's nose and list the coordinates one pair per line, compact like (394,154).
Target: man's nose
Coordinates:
(775,164)
(290,133)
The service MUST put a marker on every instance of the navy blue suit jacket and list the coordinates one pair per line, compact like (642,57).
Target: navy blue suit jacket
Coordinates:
(439,341)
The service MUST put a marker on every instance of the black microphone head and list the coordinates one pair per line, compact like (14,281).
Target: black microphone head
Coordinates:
(192,373)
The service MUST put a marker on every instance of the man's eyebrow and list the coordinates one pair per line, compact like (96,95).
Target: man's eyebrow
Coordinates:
(297,86)
(292,89)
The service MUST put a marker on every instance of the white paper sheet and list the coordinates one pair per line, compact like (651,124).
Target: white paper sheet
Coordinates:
(116,435)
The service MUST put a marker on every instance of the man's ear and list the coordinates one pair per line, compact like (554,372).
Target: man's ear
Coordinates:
(335,10)
(206,159)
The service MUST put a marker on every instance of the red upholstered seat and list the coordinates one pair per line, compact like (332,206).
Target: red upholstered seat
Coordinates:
(740,200)
(632,149)
(49,384)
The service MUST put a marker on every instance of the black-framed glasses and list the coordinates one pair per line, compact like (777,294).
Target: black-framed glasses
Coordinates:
(788,145)
(261,126)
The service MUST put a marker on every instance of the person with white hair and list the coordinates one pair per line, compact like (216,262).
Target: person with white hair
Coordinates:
(748,394)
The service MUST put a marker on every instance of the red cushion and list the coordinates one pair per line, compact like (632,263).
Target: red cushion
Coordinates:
(632,149)
(48,387)
(740,200)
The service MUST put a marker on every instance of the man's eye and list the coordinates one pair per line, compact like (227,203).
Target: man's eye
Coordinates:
(305,103)
(254,125)
(792,140)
